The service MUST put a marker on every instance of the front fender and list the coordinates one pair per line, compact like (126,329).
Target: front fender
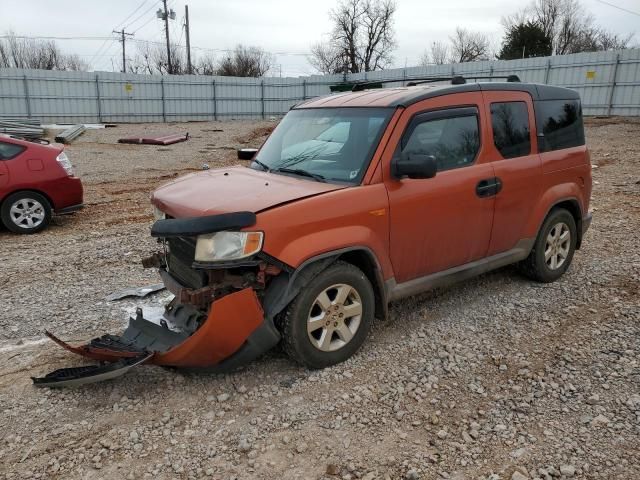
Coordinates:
(309,246)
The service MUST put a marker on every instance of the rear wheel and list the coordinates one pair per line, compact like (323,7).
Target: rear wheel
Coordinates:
(554,248)
(26,212)
(329,320)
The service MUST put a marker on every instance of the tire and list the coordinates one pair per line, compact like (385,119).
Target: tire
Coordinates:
(26,212)
(551,255)
(341,330)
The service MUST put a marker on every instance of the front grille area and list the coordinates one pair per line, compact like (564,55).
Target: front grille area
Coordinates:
(182,252)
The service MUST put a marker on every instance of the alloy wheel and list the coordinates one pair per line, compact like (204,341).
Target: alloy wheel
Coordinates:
(27,213)
(334,318)
(557,246)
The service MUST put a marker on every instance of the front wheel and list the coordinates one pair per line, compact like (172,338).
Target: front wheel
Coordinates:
(26,212)
(330,318)
(554,248)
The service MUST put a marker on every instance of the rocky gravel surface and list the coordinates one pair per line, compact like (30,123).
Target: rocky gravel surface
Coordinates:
(494,378)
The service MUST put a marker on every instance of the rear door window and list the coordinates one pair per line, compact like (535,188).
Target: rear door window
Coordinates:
(560,122)
(9,150)
(511,133)
(454,141)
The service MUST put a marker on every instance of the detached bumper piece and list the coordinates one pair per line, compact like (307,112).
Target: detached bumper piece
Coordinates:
(75,376)
(234,332)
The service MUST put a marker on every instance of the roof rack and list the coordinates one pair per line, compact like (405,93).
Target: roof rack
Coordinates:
(455,80)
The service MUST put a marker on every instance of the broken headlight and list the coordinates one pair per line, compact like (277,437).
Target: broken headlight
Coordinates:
(221,246)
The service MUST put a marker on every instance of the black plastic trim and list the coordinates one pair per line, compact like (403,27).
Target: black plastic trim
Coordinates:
(194,226)
(71,209)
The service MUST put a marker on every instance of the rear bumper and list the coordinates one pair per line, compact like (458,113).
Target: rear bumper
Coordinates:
(66,193)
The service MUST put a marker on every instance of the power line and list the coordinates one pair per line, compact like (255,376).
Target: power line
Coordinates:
(131,14)
(153,5)
(619,8)
(113,39)
(54,38)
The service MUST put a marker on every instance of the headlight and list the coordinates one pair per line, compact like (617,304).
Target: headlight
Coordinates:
(221,246)
(65,163)
(158,214)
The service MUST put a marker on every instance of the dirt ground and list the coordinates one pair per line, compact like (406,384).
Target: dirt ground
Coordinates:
(494,378)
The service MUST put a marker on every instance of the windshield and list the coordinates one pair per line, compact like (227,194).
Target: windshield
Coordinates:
(326,144)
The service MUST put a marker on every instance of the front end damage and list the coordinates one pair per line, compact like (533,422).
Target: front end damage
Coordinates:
(221,316)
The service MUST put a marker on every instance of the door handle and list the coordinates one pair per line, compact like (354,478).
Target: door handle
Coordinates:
(488,187)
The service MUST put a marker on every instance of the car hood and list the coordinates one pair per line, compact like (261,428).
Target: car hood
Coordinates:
(236,189)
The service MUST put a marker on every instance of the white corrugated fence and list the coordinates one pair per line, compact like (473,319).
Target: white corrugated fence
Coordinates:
(608,82)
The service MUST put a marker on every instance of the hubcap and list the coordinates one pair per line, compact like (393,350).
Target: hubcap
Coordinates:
(27,213)
(334,317)
(556,249)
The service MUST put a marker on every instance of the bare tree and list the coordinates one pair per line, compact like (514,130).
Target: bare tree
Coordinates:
(377,20)
(206,65)
(245,62)
(438,54)
(571,28)
(151,59)
(467,46)
(19,52)
(327,58)
(611,41)
(362,39)
(75,63)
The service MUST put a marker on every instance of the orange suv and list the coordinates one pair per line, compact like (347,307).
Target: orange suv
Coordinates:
(355,200)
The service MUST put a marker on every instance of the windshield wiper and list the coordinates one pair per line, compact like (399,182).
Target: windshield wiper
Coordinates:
(302,173)
(264,166)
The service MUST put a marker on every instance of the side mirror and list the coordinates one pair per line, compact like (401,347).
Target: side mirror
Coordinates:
(247,153)
(415,165)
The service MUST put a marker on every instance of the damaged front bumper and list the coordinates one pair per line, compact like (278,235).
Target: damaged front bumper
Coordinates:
(234,333)
(215,323)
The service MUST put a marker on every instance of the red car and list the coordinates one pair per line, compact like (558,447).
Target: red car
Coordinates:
(36,181)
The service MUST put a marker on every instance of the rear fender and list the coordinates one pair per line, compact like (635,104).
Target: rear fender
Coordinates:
(565,192)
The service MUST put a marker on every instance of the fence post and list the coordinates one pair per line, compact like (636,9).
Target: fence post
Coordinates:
(262,96)
(613,85)
(215,101)
(164,108)
(98,99)
(26,95)
(546,72)
(304,89)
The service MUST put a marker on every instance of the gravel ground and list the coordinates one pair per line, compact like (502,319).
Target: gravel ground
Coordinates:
(495,378)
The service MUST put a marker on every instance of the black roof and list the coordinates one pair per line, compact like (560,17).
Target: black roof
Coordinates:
(537,91)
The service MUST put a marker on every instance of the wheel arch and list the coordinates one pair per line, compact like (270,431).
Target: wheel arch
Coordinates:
(572,205)
(34,190)
(286,286)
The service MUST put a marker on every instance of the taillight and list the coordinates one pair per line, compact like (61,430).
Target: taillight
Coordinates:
(65,163)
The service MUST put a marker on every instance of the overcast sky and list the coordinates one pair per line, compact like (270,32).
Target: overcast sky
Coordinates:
(285,27)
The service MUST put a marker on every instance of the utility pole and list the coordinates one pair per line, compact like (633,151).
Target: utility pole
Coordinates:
(186,26)
(123,40)
(165,15)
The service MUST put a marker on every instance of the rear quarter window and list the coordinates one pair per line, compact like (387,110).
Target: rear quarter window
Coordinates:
(560,123)
(9,150)
(510,124)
